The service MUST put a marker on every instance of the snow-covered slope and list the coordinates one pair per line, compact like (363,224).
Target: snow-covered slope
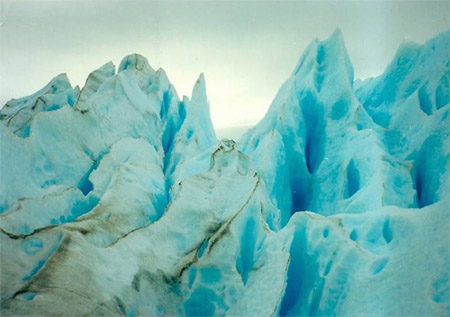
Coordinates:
(118,200)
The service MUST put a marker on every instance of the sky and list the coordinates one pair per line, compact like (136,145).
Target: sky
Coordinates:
(246,49)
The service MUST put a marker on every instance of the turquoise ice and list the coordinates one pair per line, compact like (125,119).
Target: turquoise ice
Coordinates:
(117,198)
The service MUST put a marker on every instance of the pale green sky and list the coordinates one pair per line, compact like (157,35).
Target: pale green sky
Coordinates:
(246,49)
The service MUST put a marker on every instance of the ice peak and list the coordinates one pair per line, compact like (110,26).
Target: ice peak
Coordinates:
(108,67)
(406,48)
(336,39)
(199,91)
(200,84)
(59,82)
(135,61)
(328,57)
(438,42)
(18,113)
(200,80)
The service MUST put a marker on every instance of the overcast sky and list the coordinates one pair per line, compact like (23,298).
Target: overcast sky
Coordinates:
(246,49)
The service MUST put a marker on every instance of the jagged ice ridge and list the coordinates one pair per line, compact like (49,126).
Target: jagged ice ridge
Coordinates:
(117,199)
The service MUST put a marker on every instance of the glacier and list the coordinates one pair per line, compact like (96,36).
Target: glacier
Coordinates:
(118,199)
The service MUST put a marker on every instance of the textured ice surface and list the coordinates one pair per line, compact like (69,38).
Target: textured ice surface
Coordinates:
(118,199)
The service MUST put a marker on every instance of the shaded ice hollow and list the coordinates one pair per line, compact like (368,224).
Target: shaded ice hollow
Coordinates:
(117,198)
